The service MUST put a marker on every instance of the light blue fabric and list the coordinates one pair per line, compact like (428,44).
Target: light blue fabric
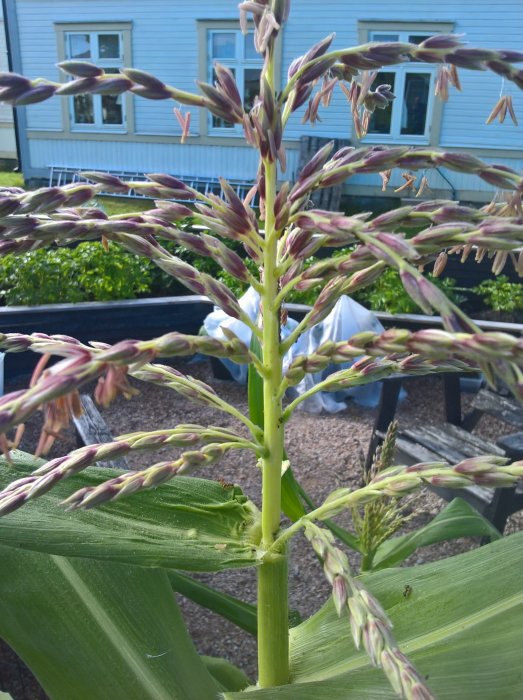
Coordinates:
(345,320)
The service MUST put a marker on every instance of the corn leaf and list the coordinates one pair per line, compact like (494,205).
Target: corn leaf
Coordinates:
(227,675)
(189,523)
(91,629)
(462,626)
(457,519)
(241,614)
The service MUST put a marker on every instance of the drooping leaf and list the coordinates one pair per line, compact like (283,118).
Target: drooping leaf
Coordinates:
(189,523)
(457,519)
(91,629)
(233,609)
(462,626)
(227,675)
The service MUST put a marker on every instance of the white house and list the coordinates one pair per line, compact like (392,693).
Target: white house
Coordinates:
(179,40)
(7,131)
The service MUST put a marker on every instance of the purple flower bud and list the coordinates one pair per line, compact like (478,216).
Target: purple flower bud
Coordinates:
(77,87)
(150,93)
(226,79)
(110,182)
(171,211)
(339,594)
(8,205)
(167,181)
(80,69)
(34,95)
(411,286)
(359,60)
(494,177)
(316,70)
(14,91)
(143,78)
(442,41)
(8,80)
(111,86)
(318,49)
(510,56)
(380,158)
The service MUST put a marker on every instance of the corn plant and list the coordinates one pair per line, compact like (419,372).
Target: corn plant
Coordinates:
(87,590)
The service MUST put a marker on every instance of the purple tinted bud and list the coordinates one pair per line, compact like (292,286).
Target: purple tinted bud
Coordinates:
(34,95)
(110,182)
(172,211)
(318,49)
(462,162)
(316,70)
(8,205)
(143,78)
(442,41)
(411,286)
(111,86)
(80,69)
(12,79)
(77,87)
(510,56)
(14,91)
(150,93)
(167,181)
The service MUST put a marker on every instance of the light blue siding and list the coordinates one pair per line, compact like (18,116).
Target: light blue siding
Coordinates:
(186,160)
(165,42)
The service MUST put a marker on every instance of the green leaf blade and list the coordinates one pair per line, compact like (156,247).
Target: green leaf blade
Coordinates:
(457,519)
(462,626)
(89,629)
(189,523)
(237,611)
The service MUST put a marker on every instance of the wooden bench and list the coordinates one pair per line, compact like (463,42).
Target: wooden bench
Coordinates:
(91,429)
(452,441)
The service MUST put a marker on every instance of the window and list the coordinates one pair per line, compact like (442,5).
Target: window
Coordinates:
(410,118)
(106,50)
(236,51)
(108,46)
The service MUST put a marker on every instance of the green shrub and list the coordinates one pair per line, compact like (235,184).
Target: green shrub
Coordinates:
(501,294)
(84,273)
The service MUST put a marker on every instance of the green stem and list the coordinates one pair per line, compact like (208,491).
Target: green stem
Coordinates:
(273,630)
(366,560)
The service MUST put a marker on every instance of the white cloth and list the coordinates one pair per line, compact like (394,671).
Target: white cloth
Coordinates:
(345,320)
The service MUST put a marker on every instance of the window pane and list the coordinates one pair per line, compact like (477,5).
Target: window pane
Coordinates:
(418,38)
(251,86)
(79,46)
(250,51)
(218,122)
(108,46)
(380,120)
(83,109)
(112,109)
(415,100)
(223,45)
(377,36)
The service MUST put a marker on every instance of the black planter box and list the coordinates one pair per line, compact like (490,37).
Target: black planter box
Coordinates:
(108,322)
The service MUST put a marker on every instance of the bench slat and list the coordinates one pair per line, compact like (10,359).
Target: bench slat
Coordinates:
(91,429)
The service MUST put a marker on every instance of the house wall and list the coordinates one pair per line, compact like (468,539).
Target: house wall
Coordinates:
(165,42)
(7,132)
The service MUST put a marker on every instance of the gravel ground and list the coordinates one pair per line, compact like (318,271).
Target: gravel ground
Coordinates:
(325,453)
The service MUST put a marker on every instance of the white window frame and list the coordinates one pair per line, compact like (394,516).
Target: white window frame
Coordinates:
(104,63)
(95,29)
(239,65)
(370,31)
